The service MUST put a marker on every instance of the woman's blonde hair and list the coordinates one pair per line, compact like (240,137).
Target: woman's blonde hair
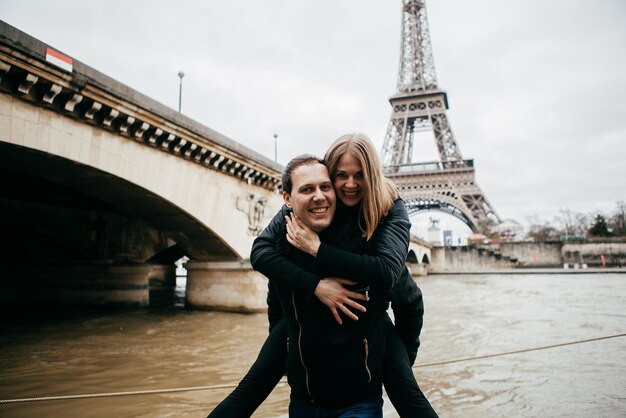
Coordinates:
(379,192)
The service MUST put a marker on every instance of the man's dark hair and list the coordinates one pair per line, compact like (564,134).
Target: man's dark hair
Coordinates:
(295,163)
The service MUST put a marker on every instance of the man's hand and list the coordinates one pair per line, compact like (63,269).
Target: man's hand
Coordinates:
(336,297)
(301,236)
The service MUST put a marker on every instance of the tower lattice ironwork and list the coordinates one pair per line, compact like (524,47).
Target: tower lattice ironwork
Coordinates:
(446,185)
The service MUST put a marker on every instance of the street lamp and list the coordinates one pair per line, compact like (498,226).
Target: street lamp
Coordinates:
(180,89)
(275,148)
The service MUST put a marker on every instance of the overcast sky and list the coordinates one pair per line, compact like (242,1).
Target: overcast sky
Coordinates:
(537,89)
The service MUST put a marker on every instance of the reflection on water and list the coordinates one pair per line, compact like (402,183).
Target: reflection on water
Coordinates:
(466,316)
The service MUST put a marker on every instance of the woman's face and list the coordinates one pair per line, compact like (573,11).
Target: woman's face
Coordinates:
(348,181)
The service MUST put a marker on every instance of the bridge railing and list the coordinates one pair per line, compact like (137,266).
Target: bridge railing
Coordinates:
(430,166)
(71,88)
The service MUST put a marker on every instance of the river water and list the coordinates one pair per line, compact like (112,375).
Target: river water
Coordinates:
(466,316)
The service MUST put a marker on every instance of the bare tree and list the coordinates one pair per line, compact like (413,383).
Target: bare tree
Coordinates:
(541,231)
(573,224)
(582,223)
(618,221)
(565,219)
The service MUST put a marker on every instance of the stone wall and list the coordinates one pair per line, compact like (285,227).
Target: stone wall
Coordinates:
(613,253)
(225,286)
(527,254)
(532,254)
(466,258)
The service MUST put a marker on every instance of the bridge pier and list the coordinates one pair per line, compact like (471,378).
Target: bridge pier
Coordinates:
(417,269)
(88,283)
(225,286)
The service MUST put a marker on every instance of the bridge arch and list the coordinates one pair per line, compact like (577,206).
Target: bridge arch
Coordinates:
(196,207)
(165,183)
(415,206)
(102,192)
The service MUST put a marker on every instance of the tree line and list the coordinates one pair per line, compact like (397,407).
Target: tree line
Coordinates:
(572,225)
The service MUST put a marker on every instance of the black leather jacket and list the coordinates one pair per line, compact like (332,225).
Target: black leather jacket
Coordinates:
(330,363)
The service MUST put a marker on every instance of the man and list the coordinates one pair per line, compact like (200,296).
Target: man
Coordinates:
(331,367)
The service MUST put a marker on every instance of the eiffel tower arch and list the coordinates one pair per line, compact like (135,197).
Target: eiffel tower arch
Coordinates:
(447,185)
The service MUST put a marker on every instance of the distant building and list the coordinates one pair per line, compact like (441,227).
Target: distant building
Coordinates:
(510,230)
(477,239)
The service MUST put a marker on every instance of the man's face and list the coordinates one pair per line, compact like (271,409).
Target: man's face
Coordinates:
(312,197)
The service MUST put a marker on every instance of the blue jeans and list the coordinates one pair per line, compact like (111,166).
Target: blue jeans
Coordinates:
(300,408)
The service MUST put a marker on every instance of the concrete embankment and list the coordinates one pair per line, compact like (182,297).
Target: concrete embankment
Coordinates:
(547,257)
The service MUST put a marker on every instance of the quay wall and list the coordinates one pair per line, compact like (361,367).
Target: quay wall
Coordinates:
(496,256)
(592,254)
(467,258)
(532,254)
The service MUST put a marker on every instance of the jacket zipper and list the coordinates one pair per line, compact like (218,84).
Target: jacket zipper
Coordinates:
(367,352)
(306,371)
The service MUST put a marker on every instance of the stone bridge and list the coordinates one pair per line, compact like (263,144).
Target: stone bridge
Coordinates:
(420,256)
(104,188)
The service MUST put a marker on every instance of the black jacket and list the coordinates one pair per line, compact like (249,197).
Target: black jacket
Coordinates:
(340,364)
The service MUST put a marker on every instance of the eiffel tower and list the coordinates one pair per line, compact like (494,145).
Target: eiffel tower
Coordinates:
(447,185)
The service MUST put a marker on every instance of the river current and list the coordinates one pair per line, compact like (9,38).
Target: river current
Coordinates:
(467,316)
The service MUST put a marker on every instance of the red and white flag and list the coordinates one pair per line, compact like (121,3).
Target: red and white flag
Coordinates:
(60,60)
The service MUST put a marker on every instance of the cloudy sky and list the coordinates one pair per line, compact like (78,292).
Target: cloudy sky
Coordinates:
(537,90)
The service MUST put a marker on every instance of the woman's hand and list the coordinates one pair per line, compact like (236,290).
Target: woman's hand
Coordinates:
(332,294)
(301,236)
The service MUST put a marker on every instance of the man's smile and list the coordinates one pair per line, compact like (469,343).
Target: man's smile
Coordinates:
(319,211)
